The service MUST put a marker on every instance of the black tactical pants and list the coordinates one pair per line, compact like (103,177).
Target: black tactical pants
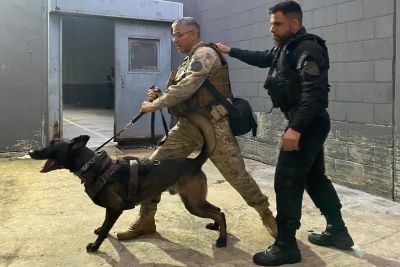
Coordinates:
(304,169)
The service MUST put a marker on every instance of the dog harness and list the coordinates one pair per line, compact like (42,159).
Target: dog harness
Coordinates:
(101,170)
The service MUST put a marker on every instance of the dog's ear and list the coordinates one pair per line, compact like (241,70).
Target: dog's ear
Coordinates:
(79,142)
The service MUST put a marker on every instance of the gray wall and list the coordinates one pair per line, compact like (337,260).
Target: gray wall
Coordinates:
(359,34)
(396,180)
(23,74)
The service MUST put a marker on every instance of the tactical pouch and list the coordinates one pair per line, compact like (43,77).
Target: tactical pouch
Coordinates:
(242,119)
(273,91)
(278,90)
(218,112)
(241,116)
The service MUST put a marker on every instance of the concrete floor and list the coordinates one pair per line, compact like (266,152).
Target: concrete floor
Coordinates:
(47,220)
(98,123)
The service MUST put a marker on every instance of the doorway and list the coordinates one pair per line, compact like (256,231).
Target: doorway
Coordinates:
(88,78)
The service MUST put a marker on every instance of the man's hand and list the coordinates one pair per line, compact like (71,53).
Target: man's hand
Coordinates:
(223,48)
(153,93)
(290,140)
(147,107)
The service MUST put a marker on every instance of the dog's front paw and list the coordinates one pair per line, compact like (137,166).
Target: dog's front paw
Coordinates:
(97,231)
(91,248)
(221,242)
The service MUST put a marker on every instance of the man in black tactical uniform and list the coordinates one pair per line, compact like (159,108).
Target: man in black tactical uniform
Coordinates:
(298,84)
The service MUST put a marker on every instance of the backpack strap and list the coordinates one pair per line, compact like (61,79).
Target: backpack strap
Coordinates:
(217,95)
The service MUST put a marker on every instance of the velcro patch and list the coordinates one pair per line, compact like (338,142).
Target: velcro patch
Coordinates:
(311,68)
(196,66)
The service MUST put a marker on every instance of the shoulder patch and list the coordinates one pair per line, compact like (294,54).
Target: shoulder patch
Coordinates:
(209,60)
(311,68)
(196,66)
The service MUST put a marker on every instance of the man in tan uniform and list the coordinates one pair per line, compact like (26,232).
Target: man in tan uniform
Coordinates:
(186,94)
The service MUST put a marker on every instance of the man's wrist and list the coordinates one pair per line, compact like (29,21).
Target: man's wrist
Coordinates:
(158,103)
(233,51)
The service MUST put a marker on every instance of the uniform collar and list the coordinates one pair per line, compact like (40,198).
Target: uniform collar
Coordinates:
(301,31)
(194,48)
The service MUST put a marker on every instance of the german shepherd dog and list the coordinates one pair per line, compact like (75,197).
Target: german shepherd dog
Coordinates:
(183,176)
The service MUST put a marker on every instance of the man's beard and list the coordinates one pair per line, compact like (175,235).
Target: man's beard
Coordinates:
(280,41)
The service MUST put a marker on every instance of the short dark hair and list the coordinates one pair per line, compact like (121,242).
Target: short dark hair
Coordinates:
(287,7)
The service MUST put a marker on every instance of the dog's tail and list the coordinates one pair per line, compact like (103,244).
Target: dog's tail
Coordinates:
(207,130)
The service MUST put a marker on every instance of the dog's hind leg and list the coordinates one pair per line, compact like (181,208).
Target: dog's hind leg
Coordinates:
(218,224)
(213,226)
(193,195)
(204,211)
(102,232)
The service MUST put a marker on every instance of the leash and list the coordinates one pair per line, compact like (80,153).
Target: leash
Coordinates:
(152,126)
(135,119)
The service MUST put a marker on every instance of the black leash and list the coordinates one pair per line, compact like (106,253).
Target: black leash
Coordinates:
(152,127)
(135,119)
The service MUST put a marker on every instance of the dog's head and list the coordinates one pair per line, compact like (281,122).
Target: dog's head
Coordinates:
(60,153)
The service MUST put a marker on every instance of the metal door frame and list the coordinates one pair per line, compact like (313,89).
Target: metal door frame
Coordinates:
(148,10)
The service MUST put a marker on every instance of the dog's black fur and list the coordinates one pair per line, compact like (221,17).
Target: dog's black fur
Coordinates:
(183,176)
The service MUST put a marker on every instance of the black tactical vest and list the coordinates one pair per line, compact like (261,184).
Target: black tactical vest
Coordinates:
(284,82)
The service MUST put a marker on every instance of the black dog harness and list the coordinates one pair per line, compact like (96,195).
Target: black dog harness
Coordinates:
(101,170)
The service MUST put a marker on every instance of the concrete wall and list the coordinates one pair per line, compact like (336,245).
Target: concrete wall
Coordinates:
(23,74)
(360,38)
(396,180)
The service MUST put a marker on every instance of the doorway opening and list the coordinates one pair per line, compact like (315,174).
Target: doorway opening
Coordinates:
(88,78)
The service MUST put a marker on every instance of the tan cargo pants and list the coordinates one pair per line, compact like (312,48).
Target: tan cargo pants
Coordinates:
(185,138)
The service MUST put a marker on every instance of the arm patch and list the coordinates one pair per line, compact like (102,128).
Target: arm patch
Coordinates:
(311,68)
(196,66)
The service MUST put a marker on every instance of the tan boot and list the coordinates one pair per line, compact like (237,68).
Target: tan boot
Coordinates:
(145,223)
(268,220)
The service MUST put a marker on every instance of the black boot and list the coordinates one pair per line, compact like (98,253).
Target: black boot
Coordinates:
(279,253)
(332,237)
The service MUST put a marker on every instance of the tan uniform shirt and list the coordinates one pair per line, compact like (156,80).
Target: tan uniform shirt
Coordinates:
(197,69)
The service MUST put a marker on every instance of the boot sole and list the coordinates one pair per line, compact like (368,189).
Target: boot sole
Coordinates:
(347,246)
(291,261)
(133,235)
